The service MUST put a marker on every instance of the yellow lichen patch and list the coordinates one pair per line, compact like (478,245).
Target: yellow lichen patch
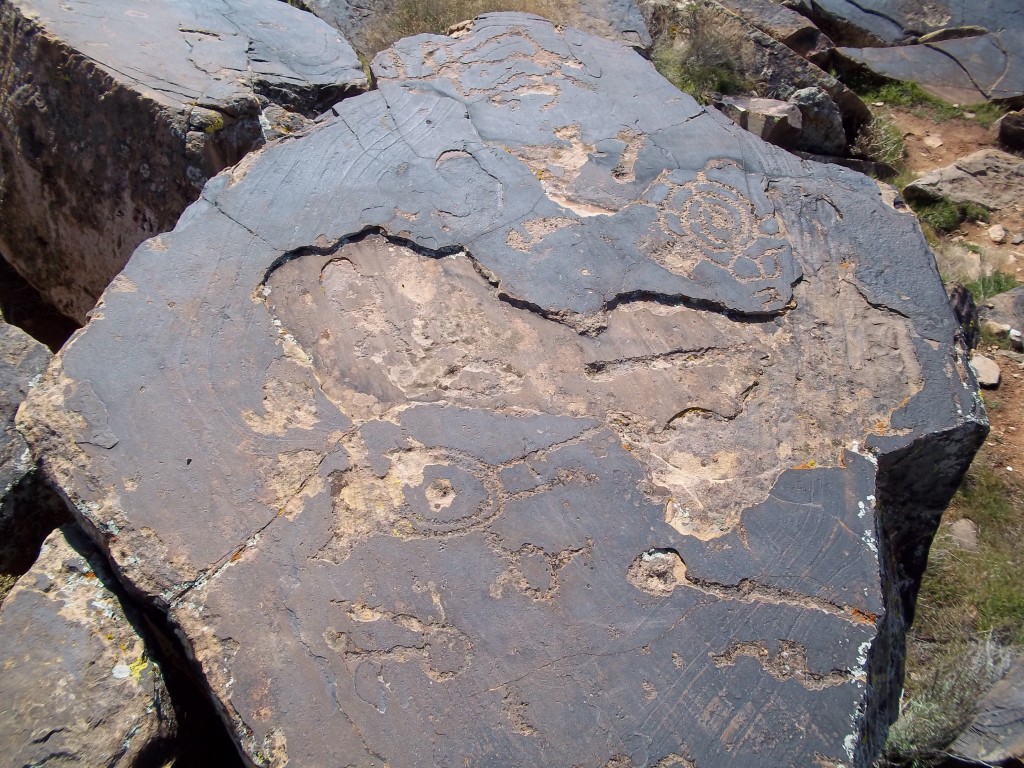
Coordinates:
(138,666)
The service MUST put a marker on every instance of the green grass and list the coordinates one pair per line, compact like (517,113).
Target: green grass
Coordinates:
(911,97)
(991,285)
(946,215)
(965,593)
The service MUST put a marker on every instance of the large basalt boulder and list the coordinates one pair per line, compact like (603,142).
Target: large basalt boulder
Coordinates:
(78,687)
(115,114)
(524,412)
(988,177)
(965,70)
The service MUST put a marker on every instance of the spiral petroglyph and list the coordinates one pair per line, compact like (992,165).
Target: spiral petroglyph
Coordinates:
(717,221)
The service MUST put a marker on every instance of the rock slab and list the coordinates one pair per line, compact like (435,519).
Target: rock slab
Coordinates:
(77,687)
(990,178)
(889,22)
(27,512)
(511,416)
(967,70)
(995,735)
(116,114)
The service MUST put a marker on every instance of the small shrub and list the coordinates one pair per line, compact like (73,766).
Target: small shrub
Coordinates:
(881,140)
(414,17)
(932,718)
(701,51)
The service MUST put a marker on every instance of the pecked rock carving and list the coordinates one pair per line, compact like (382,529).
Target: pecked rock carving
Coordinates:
(523,412)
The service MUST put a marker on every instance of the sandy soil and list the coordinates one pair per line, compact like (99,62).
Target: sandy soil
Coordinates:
(933,145)
(1005,406)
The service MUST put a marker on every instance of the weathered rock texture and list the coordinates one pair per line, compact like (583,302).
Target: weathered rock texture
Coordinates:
(77,686)
(1009,131)
(115,114)
(365,22)
(22,359)
(989,178)
(525,413)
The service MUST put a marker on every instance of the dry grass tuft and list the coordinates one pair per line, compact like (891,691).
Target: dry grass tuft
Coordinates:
(414,17)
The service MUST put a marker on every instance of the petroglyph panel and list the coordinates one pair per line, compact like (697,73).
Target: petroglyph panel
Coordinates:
(432,464)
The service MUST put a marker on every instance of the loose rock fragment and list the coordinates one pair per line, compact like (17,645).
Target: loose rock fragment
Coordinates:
(987,371)
(392,414)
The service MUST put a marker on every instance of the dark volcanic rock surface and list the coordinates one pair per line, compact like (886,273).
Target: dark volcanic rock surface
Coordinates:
(115,114)
(77,686)
(523,412)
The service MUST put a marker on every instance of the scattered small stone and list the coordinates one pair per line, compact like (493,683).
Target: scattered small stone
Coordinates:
(986,370)
(878,104)
(1016,340)
(970,115)
(997,234)
(933,141)
(965,534)
(1018,238)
